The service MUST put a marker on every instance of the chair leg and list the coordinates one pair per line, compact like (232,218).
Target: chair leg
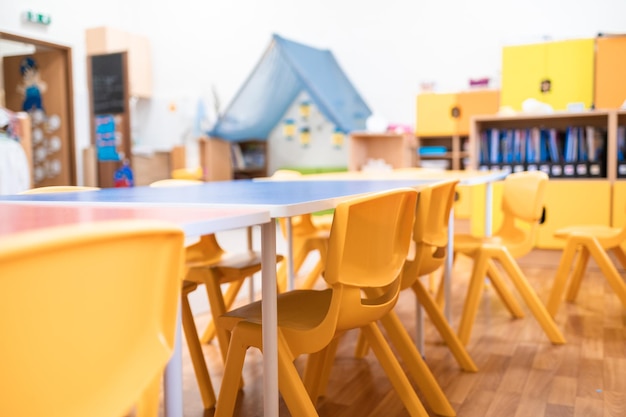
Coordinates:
(229,298)
(561,277)
(362,347)
(197,356)
(442,325)
(233,367)
(608,269)
(577,276)
(216,303)
(620,255)
(472,299)
(291,386)
(503,291)
(416,366)
(318,368)
(440,297)
(393,370)
(530,297)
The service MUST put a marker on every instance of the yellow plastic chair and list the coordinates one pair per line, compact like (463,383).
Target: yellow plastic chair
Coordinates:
(430,240)
(365,250)
(307,237)
(59,189)
(209,264)
(88,317)
(581,242)
(522,206)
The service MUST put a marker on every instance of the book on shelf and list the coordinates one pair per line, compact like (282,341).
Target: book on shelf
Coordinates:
(576,151)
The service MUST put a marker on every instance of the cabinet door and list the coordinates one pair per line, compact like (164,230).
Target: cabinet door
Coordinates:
(523,69)
(618,213)
(434,114)
(569,203)
(474,103)
(477,217)
(610,85)
(570,71)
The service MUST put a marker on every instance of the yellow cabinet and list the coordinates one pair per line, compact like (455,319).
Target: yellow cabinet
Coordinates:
(435,115)
(610,83)
(449,114)
(443,124)
(573,202)
(567,202)
(557,73)
(618,212)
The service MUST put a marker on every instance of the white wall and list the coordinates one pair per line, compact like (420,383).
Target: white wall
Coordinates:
(387,48)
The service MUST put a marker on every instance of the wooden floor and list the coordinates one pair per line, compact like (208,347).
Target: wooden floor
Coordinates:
(521,374)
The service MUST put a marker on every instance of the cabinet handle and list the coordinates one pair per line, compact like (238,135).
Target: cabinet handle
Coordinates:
(542,220)
(455,112)
(545,86)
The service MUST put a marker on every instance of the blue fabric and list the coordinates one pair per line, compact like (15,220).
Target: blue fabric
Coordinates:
(286,69)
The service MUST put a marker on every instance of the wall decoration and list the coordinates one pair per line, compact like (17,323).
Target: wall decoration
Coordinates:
(305,109)
(337,138)
(45,128)
(305,136)
(289,129)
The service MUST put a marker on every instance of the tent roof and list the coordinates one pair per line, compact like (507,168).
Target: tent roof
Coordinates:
(286,69)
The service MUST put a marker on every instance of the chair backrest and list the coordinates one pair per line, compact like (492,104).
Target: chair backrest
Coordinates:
(87,316)
(207,249)
(368,245)
(301,226)
(522,204)
(58,189)
(430,230)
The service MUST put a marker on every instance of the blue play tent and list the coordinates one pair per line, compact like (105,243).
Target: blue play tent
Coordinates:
(286,69)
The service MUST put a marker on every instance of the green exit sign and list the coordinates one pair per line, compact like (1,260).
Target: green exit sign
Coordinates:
(41,18)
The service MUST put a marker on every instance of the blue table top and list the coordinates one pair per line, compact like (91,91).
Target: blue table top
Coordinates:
(282,199)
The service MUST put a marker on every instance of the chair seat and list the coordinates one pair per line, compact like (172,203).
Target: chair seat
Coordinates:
(596,231)
(232,266)
(298,310)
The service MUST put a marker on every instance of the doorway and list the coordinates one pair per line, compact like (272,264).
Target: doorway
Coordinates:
(36,78)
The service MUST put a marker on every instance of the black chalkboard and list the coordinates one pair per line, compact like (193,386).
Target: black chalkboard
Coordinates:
(108,83)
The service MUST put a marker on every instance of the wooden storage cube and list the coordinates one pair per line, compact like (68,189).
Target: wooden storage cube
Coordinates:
(397,150)
(610,82)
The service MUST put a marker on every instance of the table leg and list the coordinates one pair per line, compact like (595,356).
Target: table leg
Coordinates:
(488,208)
(270,319)
(447,269)
(173,377)
(291,274)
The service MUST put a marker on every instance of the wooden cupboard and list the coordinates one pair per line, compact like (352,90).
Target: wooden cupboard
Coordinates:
(557,73)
